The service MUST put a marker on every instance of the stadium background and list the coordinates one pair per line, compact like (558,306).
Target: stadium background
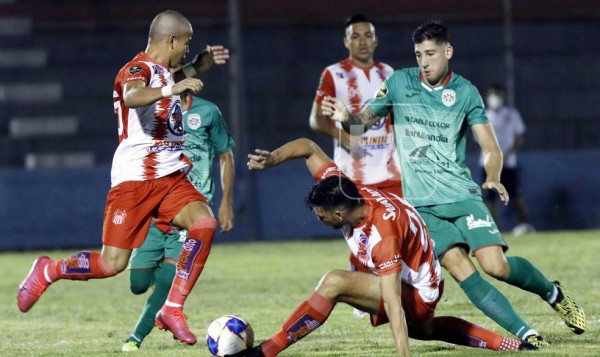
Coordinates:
(58,60)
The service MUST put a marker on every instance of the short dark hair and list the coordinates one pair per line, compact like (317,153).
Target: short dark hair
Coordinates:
(356,19)
(431,30)
(497,87)
(332,192)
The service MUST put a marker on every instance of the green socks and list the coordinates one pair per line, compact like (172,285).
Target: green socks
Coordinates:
(492,303)
(527,277)
(163,278)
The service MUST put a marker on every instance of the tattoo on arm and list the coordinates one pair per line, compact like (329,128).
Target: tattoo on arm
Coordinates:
(365,117)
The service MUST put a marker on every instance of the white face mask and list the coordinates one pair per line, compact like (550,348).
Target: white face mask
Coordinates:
(494,101)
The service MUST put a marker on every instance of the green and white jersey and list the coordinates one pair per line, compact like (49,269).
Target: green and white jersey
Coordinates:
(430,125)
(206,135)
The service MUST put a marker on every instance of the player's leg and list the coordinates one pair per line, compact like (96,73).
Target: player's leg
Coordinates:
(125,226)
(357,289)
(450,246)
(185,207)
(152,263)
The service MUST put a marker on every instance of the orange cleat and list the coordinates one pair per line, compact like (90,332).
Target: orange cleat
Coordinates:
(174,320)
(34,284)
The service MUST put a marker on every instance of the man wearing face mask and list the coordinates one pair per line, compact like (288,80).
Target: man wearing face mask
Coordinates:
(509,128)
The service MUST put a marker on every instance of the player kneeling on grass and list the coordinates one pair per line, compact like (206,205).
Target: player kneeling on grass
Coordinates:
(387,235)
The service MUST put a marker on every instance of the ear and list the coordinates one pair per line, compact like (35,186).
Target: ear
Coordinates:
(449,51)
(346,42)
(376,41)
(172,42)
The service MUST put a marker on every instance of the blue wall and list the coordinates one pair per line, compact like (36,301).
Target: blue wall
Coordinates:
(63,209)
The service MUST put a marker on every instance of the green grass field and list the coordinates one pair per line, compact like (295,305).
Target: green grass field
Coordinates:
(264,282)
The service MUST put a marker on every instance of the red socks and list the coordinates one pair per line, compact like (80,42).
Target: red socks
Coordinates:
(306,318)
(81,266)
(192,258)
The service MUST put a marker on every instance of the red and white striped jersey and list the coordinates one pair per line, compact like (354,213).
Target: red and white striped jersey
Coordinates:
(392,239)
(374,159)
(151,138)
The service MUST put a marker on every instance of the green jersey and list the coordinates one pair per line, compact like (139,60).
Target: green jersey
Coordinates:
(430,125)
(206,135)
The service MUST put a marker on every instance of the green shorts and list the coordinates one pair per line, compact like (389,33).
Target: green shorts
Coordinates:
(156,247)
(467,223)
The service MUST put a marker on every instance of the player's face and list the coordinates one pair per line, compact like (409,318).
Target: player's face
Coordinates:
(433,59)
(361,41)
(332,218)
(180,46)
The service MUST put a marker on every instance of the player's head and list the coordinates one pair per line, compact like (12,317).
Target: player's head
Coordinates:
(334,200)
(495,96)
(433,51)
(360,39)
(171,31)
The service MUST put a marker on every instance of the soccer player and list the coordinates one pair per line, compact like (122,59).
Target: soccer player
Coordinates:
(387,236)
(510,129)
(148,176)
(433,107)
(367,157)
(154,261)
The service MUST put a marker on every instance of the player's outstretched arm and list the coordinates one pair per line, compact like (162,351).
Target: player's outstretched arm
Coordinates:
(227,180)
(492,159)
(202,62)
(136,94)
(336,110)
(300,148)
(391,292)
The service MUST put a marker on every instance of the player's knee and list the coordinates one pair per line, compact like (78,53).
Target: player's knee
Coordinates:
(140,280)
(331,284)
(496,269)
(458,264)
(138,287)
(202,226)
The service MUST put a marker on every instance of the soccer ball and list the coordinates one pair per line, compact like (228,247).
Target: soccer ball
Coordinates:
(228,335)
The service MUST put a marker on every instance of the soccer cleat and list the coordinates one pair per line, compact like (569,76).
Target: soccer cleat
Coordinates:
(536,341)
(569,311)
(175,322)
(526,346)
(250,352)
(130,346)
(34,284)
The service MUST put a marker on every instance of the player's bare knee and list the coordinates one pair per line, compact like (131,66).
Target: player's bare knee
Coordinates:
(496,269)
(331,284)
(458,264)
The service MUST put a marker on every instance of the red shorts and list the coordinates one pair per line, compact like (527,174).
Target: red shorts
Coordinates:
(415,309)
(131,205)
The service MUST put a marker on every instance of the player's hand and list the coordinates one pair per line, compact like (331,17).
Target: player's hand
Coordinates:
(191,85)
(210,56)
(499,188)
(334,108)
(260,160)
(226,216)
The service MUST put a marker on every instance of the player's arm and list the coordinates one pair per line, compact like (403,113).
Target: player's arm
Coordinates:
(136,94)
(321,124)
(202,62)
(336,110)
(227,179)
(492,159)
(391,293)
(300,148)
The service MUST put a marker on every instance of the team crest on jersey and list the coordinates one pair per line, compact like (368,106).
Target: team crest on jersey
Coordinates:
(175,122)
(135,69)
(340,75)
(382,92)
(119,216)
(448,97)
(158,70)
(378,124)
(363,242)
(194,121)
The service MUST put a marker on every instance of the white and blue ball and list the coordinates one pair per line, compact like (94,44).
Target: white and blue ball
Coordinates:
(229,334)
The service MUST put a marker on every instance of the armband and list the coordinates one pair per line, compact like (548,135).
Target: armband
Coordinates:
(167,91)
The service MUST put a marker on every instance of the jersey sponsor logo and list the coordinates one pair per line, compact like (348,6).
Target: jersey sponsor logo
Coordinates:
(473,223)
(187,256)
(119,216)
(378,124)
(420,152)
(493,231)
(136,78)
(162,145)
(175,122)
(135,69)
(332,170)
(448,97)
(302,327)
(194,121)
(340,75)
(389,263)
(427,122)
(423,135)
(382,92)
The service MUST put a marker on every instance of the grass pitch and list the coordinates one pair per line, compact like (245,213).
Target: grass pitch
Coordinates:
(264,282)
